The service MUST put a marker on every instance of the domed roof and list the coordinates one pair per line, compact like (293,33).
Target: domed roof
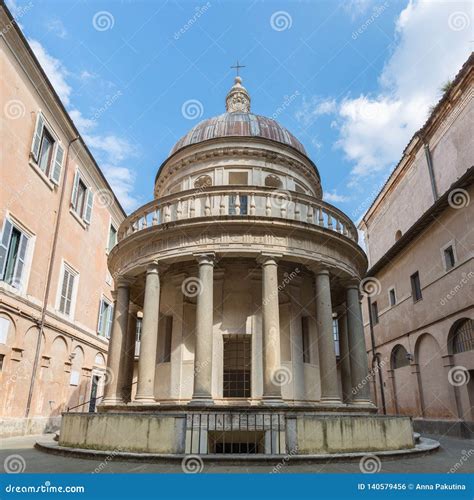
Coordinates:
(238,124)
(238,121)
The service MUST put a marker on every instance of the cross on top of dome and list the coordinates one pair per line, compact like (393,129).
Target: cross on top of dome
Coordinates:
(238,99)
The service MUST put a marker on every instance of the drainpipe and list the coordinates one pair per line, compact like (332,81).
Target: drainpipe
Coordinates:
(429,161)
(48,280)
(374,356)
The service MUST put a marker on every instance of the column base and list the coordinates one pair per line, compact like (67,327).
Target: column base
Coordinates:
(145,400)
(331,401)
(273,401)
(112,401)
(201,401)
(362,402)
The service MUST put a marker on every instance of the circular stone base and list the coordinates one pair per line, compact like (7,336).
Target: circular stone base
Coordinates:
(425,445)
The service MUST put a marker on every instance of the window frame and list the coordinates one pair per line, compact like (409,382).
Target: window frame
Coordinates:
(53,170)
(415,283)
(390,290)
(85,214)
(26,236)
(305,339)
(73,272)
(109,318)
(443,249)
(374,312)
(111,226)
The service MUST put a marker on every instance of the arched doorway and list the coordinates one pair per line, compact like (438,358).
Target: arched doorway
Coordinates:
(404,389)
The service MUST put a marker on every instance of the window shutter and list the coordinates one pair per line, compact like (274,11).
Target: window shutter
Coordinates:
(57,163)
(20,263)
(35,145)
(88,211)
(100,328)
(69,293)
(4,242)
(110,318)
(62,302)
(74,189)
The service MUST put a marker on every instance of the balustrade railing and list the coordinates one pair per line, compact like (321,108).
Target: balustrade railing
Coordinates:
(221,201)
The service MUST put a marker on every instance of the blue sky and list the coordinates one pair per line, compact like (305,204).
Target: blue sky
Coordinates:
(352,80)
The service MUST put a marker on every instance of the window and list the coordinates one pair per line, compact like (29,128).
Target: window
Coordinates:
(449,259)
(2,358)
(239,202)
(416,287)
(112,238)
(106,313)
(13,247)
(47,151)
(335,333)
(238,178)
(273,181)
(392,297)
(168,326)
(398,235)
(305,339)
(463,338)
(67,291)
(237,366)
(4,327)
(400,357)
(374,308)
(82,198)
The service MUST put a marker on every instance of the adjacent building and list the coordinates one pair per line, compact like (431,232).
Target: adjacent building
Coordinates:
(419,235)
(58,220)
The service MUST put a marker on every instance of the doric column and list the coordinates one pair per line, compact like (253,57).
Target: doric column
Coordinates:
(327,353)
(358,352)
(202,392)
(149,337)
(271,332)
(113,393)
(344,357)
(129,361)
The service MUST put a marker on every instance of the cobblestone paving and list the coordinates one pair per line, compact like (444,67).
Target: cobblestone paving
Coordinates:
(451,452)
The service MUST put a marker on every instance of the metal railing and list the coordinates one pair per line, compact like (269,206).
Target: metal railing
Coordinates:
(218,201)
(235,432)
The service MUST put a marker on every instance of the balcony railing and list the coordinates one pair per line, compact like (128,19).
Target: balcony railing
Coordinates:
(219,201)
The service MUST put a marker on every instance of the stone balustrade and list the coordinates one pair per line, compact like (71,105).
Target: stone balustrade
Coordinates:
(231,201)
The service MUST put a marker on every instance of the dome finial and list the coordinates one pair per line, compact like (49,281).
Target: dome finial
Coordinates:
(238,99)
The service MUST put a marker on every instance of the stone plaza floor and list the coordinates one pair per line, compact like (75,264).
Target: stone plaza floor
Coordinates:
(451,452)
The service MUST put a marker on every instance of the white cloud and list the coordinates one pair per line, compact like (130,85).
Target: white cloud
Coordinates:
(121,180)
(56,26)
(55,71)
(374,129)
(313,108)
(356,7)
(335,197)
(115,148)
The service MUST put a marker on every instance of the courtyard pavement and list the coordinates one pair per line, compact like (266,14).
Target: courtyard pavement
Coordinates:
(451,452)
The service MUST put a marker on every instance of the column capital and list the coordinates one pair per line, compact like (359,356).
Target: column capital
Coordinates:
(124,281)
(268,258)
(206,258)
(352,282)
(133,308)
(320,268)
(156,267)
